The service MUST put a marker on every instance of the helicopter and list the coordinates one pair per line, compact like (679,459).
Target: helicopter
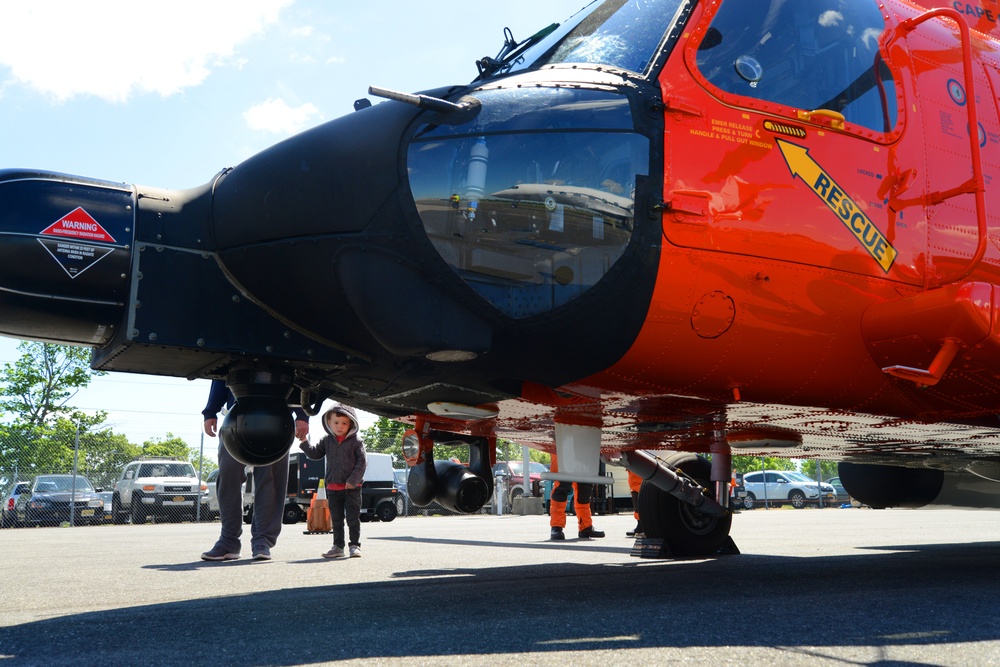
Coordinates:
(655,231)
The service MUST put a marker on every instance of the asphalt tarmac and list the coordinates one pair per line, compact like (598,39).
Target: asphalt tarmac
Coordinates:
(811,587)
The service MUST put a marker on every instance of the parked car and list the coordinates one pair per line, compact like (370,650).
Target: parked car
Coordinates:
(784,487)
(403,505)
(8,518)
(513,472)
(211,508)
(842,495)
(106,497)
(157,487)
(738,491)
(48,501)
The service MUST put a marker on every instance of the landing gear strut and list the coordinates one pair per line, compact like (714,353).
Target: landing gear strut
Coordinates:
(675,527)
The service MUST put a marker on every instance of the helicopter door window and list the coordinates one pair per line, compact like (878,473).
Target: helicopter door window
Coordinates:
(804,55)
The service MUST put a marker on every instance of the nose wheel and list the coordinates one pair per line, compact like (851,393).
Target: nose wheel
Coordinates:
(686,532)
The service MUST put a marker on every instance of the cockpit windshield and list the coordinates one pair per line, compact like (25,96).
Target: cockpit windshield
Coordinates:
(619,33)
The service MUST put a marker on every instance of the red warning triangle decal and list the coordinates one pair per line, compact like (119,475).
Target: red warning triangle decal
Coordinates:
(78,224)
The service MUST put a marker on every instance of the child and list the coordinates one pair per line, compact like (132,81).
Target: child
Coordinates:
(345,471)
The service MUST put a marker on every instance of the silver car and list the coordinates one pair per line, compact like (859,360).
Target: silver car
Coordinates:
(842,495)
(8,517)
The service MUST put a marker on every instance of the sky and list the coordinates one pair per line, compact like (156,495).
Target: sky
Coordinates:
(167,94)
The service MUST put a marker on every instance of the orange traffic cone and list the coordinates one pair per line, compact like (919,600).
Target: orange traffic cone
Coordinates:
(318,514)
(309,510)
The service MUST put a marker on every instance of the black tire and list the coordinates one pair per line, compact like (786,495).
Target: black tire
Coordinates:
(293,514)
(118,515)
(386,511)
(248,515)
(138,511)
(797,499)
(749,502)
(517,492)
(687,532)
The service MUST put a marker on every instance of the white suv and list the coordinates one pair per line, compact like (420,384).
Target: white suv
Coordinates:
(785,487)
(158,487)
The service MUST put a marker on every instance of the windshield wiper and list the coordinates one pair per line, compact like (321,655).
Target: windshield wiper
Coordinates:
(510,52)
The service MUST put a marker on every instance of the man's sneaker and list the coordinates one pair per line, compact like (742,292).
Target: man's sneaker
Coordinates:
(590,532)
(355,552)
(335,552)
(635,532)
(261,553)
(556,533)
(218,553)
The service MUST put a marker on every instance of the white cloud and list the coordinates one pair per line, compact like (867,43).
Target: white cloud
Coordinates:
(115,48)
(274,115)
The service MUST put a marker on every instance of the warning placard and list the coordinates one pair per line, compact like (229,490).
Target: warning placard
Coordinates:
(78,224)
(75,258)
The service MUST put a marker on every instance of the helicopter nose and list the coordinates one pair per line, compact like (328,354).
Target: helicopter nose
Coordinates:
(330,210)
(332,179)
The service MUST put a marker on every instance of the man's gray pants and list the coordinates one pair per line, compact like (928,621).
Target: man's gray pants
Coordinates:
(270,484)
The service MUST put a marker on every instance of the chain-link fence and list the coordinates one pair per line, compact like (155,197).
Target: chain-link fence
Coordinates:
(78,475)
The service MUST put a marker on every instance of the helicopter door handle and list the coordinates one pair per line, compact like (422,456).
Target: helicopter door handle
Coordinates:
(689,205)
(832,119)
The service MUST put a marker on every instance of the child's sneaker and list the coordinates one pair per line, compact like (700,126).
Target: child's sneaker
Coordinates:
(355,552)
(335,552)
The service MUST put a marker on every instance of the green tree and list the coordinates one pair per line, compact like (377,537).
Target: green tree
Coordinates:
(508,450)
(206,464)
(385,436)
(99,454)
(39,385)
(170,446)
(829,468)
(35,393)
(744,464)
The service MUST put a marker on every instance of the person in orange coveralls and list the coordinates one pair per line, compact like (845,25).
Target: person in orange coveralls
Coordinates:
(581,504)
(634,482)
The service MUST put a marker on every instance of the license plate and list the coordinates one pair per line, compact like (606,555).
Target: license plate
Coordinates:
(179,499)
(87,513)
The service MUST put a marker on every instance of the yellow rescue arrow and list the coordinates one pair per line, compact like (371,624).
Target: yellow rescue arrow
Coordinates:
(823,185)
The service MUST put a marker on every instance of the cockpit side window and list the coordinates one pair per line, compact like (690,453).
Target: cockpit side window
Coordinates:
(532,204)
(822,54)
(620,33)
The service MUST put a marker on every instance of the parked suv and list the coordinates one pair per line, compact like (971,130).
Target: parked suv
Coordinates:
(785,487)
(158,487)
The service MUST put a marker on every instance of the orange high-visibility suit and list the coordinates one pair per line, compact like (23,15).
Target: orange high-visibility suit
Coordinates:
(581,501)
(634,484)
